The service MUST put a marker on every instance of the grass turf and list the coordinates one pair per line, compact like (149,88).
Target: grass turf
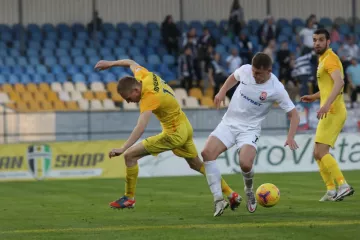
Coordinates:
(174,208)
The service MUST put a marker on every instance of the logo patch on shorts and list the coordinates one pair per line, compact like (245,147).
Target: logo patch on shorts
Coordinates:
(263,96)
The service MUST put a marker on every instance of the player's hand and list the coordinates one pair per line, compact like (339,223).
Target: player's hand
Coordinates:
(116,152)
(323,111)
(307,98)
(291,143)
(220,97)
(103,65)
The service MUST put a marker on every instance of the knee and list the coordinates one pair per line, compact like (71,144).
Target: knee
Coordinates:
(208,155)
(318,154)
(129,158)
(245,166)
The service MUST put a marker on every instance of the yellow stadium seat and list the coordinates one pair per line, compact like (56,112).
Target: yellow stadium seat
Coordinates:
(11,105)
(27,97)
(33,106)
(101,95)
(45,106)
(22,107)
(209,92)
(14,96)
(88,95)
(19,88)
(196,93)
(7,88)
(44,87)
(72,106)
(39,97)
(52,96)
(59,106)
(207,101)
(111,86)
(32,87)
(116,97)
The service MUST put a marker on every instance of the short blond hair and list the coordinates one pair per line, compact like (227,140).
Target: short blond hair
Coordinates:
(126,84)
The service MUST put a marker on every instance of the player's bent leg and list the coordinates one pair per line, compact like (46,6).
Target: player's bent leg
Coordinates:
(321,151)
(247,155)
(131,156)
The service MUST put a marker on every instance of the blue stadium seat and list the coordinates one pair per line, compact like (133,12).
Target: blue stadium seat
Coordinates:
(72,69)
(161,51)
(153,43)
(297,22)
(57,69)
(60,52)
(126,34)
(195,24)
(36,37)
(107,27)
(78,27)
(4,28)
(64,44)
(78,77)
(182,26)
(109,43)
(105,51)
(117,71)
(62,27)
(90,52)
(139,59)
(37,78)
(119,51)
(109,57)
(87,69)
(149,51)
(68,36)
(140,43)
(6,36)
(326,22)
(65,61)
(74,52)
(125,43)
(155,34)
(122,26)
(133,51)
(49,78)
(210,24)
(282,22)
(282,38)
(3,52)
(287,31)
(137,26)
(82,35)
(335,46)
(226,41)
(110,77)
(46,52)
(61,78)
(48,27)
(10,61)
(152,25)
(93,60)
(52,36)
(169,59)
(94,77)
(34,45)
(344,29)
(34,61)
(41,69)
(215,33)
(18,70)
(220,49)
(5,70)
(49,44)
(33,28)
(154,59)
(2,79)
(50,61)
(80,43)
(25,78)
(141,34)
(13,79)
(79,60)
(22,61)
(30,70)
(112,35)
(15,53)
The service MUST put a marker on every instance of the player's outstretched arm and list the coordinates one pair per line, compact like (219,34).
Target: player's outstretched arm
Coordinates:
(220,96)
(294,123)
(103,64)
(310,98)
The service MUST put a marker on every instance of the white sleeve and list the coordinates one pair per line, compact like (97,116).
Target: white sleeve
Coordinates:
(283,99)
(238,72)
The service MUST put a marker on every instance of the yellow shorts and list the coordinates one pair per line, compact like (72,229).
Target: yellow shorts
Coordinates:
(180,142)
(329,128)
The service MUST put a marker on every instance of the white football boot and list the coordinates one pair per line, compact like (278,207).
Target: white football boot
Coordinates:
(220,206)
(251,200)
(344,190)
(329,196)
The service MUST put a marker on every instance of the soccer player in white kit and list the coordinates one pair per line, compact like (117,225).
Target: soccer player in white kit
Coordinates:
(259,88)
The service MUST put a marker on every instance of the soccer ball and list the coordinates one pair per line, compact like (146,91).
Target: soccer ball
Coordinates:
(267,195)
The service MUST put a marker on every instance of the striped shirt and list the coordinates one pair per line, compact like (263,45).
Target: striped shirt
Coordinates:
(303,65)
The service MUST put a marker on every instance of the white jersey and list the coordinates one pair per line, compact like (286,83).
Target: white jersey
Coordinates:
(251,101)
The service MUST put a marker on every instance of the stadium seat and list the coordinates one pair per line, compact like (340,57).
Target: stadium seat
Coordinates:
(44,87)
(40,97)
(52,96)
(31,87)
(207,101)
(80,87)
(180,93)
(68,87)
(19,88)
(88,95)
(109,105)
(7,88)
(83,104)
(78,77)
(72,106)
(96,105)
(97,86)
(26,97)
(191,102)
(45,106)
(195,92)
(64,96)
(130,106)
(76,96)
(100,95)
(116,97)
(59,106)
(4,98)
(56,87)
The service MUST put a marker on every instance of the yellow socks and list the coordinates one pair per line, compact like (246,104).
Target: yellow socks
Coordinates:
(332,166)
(224,186)
(130,182)
(326,176)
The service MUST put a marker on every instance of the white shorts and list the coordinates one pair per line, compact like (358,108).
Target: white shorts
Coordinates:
(230,136)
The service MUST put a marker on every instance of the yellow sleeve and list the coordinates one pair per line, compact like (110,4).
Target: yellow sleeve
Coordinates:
(149,102)
(140,73)
(332,64)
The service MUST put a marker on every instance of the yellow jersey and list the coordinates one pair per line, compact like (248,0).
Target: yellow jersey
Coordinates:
(328,63)
(158,97)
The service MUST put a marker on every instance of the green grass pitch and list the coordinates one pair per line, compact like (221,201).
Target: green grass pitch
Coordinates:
(174,208)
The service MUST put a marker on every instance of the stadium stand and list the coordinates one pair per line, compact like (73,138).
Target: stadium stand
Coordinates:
(56,71)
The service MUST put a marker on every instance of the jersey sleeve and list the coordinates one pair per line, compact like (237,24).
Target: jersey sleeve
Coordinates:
(283,99)
(238,72)
(149,102)
(331,64)
(140,73)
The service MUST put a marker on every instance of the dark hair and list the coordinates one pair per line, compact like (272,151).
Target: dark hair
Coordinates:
(261,60)
(323,31)
(126,84)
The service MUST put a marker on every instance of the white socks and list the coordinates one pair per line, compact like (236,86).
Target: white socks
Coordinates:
(248,179)
(213,177)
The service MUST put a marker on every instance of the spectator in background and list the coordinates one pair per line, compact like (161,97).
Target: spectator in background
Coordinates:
(290,83)
(351,47)
(353,76)
(95,23)
(170,35)
(192,42)
(334,34)
(268,31)
(283,57)
(271,49)
(246,47)
(307,34)
(236,18)
(186,69)
(216,73)
(303,71)
(233,61)
(205,41)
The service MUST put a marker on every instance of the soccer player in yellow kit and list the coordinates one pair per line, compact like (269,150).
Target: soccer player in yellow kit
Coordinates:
(331,115)
(156,97)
